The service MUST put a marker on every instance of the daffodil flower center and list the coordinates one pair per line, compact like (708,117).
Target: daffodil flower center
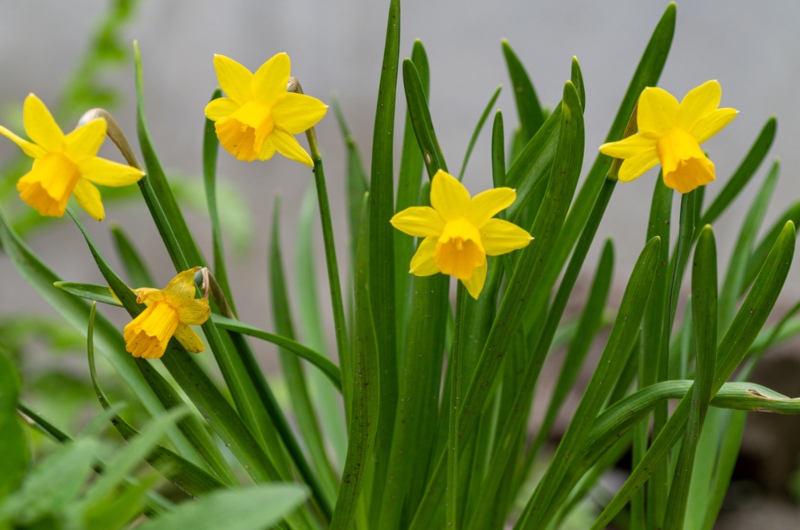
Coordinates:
(243,133)
(459,250)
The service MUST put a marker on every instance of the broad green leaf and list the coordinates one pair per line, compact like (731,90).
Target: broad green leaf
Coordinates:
(239,509)
(528,107)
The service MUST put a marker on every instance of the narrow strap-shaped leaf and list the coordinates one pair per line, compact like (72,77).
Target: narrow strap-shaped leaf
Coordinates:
(743,173)
(421,119)
(737,266)
(588,325)
(477,131)
(197,385)
(409,186)
(381,245)
(130,258)
(522,287)
(576,76)
(210,152)
(761,251)
(76,313)
(731,350)
(552,490)
(325,365)
(528,107)
(704,315)
(88,291)
(185,475)
(366,394)
(157,193)
(498,151)
(14,441)
(311,327)
(647,73)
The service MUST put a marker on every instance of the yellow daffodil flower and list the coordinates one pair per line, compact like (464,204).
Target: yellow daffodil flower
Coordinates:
(65,165)
(459,231)
(169,313)
(258,116)
(671,132)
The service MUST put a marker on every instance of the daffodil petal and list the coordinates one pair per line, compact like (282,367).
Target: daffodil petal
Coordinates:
(221,108)
(88,197)
(657,111)
(147,295)
(108,173)
(448,196)
(499,237)
(181,289)
(189,339)
(287,145)
(270,80)
(489,203)
(423,262)
(267,150)
(29,148)
(85,141)
(298,113)
(634,145)
(234,79)
(712,124)
(194,312)
(475,282)
(699,103)
(635,166)
(40,125)
(418,221)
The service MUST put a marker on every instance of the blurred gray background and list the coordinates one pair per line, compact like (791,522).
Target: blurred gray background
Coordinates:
(752,48)
(336,46)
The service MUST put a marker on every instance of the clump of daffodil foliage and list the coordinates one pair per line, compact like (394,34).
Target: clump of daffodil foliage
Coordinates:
(421,410)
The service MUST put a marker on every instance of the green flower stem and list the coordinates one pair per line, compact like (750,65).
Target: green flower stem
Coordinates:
(451,502)
(327,236)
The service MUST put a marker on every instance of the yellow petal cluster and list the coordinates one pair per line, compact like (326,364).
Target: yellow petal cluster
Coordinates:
(257,116)
(169,313)
(459,231)
(671,133)
(65,165)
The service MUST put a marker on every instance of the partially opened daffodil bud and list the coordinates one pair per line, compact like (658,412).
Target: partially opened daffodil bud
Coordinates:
(65,165)
(671,133)
(258,116)
(169,313)
(459,231)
